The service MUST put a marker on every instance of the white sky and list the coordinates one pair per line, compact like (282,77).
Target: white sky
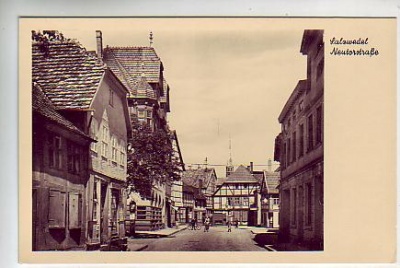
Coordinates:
(228,77)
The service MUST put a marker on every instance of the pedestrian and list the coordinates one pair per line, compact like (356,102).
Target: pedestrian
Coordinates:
(193,222)
(206,224)
(229,226)
(237,224)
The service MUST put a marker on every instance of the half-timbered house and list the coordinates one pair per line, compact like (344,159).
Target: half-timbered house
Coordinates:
(237,199)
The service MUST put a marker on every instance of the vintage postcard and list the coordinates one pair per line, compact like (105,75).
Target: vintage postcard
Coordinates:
(155,140)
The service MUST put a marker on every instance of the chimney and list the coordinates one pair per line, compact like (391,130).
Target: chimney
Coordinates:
(251,167)
(269,165)
(99,41)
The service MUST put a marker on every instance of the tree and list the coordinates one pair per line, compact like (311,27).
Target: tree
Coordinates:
(151,158)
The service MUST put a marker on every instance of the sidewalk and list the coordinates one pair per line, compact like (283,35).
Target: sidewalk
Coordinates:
(161,233)
(143,238)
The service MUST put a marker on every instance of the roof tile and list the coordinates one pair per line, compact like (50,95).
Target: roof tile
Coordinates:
(68,74)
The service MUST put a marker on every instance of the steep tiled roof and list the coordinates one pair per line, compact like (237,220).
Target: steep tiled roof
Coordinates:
(220,181)
(259,175)
(272,179)
(68,74)
(192,176)
(43,106)
(130,63)
(241,175)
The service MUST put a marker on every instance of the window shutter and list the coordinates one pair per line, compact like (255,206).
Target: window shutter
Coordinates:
(73,211)
(54,204)
(80,206)
(56,212)
(62,220)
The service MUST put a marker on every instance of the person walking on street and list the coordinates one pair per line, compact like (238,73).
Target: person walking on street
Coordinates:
(193,222)
(206,224)
(229,226)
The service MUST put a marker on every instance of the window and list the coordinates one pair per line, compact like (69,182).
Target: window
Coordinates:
(301,140)
(74,158)
(245,201)
(55,151)
(93,135)
(294,115)
(318,136)
(141,113)
(294,146)
(114,150)
(57,206)
(104,142)
(111,100)
(122,154)
(149,113)
(310,133)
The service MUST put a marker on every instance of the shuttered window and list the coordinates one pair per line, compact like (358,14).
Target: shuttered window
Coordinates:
(57,202)
(74,210)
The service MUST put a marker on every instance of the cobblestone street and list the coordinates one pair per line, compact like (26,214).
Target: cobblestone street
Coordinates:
(217,239)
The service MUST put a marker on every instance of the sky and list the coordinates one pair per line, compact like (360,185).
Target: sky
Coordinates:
(229,78)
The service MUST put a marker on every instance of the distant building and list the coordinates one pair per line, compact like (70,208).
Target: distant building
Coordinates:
(187,211)
(89,95)
(270,199)
(177,214)
(238,197)
(204,179)
(299,149)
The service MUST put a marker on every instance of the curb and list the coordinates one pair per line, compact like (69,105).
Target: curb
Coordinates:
(177,231)
(269,248)
(141,248)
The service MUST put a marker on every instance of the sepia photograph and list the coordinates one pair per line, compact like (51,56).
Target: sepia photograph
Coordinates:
(182,134)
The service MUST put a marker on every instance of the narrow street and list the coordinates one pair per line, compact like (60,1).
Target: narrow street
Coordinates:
(217,239)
